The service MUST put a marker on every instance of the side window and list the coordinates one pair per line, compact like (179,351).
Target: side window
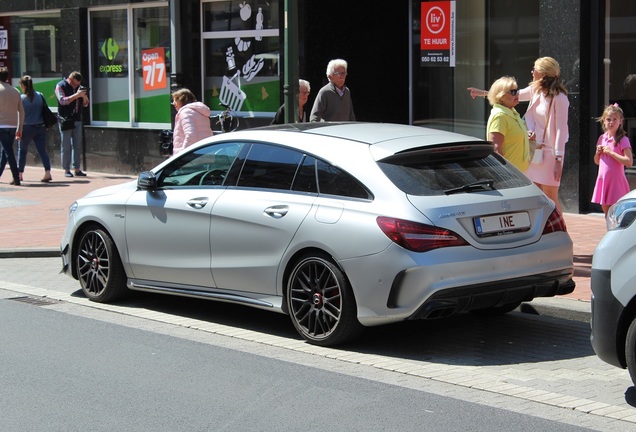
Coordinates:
(270,167)
(206,166)
(306,180)
(334,181)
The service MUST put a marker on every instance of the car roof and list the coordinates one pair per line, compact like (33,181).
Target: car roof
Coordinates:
(385,139)
(370,133)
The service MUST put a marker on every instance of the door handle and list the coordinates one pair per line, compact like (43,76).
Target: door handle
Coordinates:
(277,212)
(197,203)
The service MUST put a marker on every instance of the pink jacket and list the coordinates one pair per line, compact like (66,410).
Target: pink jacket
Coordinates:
(191,124)
(557,134)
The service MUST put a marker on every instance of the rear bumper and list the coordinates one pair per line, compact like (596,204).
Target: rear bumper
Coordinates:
(494,294)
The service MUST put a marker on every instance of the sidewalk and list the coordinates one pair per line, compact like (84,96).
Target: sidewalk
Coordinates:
(35,215)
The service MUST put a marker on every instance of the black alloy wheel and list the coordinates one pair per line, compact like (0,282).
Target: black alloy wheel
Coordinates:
(101,273)
(321,302)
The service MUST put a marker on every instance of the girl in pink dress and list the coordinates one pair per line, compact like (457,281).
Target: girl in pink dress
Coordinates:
(613,154)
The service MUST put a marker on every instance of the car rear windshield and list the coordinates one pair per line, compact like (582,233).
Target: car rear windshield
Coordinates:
(456,169)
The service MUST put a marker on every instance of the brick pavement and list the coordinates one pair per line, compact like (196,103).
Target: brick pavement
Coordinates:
(35,215)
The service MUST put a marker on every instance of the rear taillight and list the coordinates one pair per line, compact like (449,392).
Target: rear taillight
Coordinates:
(555,223)
(418,237)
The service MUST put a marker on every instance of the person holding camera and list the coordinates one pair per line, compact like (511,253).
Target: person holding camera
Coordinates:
(71,99)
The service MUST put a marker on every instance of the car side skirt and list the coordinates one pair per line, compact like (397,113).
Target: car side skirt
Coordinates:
(269,303)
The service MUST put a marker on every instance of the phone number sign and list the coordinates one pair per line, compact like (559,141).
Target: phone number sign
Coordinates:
(437,35)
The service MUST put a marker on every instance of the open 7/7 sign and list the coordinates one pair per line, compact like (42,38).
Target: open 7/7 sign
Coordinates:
(153,62)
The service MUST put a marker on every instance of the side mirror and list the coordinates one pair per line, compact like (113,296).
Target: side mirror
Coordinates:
(147,181)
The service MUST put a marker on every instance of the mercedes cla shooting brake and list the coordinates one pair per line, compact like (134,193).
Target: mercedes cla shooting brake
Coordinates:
(338,225)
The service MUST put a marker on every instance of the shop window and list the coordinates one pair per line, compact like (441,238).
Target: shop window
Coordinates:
(129,72)
(109,63)
(152,65)
(33,42)
(241,56)
(492,38)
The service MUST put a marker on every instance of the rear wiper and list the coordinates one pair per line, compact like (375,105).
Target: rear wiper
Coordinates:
(485,184)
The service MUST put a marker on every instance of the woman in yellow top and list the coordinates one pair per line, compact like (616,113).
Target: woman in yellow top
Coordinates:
(506,129)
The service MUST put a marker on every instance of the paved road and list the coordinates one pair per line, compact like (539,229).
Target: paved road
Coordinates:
(525,362)
(89,374)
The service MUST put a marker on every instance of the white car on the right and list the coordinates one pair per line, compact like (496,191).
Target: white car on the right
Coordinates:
(614,288)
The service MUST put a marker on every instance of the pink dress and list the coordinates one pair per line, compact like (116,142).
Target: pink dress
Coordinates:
(611,182)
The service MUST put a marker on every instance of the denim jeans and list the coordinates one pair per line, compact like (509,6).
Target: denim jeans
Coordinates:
(7,135)
(71,146)
(37,134)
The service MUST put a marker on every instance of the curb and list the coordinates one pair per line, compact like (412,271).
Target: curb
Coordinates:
(30,253)
(558,307)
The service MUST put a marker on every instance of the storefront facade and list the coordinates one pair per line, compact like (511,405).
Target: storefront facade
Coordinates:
(132,53)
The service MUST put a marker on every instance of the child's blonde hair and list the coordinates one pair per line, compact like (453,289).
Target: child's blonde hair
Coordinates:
(609,110)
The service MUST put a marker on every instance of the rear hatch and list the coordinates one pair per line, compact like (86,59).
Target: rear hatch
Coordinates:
(467,188)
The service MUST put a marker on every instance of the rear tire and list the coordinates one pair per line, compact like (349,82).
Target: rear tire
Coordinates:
(321,303)
(99,268)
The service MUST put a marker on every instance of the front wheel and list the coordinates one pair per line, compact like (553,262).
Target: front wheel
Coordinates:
(630,350)
(101,273)
(321,302)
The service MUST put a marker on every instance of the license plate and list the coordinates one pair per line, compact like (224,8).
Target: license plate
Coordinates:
(502,224)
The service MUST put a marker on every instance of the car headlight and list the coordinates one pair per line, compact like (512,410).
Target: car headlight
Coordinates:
(72,209)
(621,214)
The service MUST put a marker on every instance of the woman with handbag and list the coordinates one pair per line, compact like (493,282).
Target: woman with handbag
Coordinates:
(34,128)
(547,119)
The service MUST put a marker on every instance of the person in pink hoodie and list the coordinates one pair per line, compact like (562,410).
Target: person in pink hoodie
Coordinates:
(192,122)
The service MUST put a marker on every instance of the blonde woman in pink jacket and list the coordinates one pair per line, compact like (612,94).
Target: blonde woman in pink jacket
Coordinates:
(547,120)
(192,122)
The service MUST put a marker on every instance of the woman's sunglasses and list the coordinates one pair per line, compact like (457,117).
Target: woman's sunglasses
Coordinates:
(513,92)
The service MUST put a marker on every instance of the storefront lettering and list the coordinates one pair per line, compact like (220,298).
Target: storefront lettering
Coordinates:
(115,68)
(146,57)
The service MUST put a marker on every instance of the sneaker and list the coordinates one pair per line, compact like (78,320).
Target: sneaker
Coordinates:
(68,174)
(78,173)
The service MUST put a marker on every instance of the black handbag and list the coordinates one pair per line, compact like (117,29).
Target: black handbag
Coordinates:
(47,115)
(66,123)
